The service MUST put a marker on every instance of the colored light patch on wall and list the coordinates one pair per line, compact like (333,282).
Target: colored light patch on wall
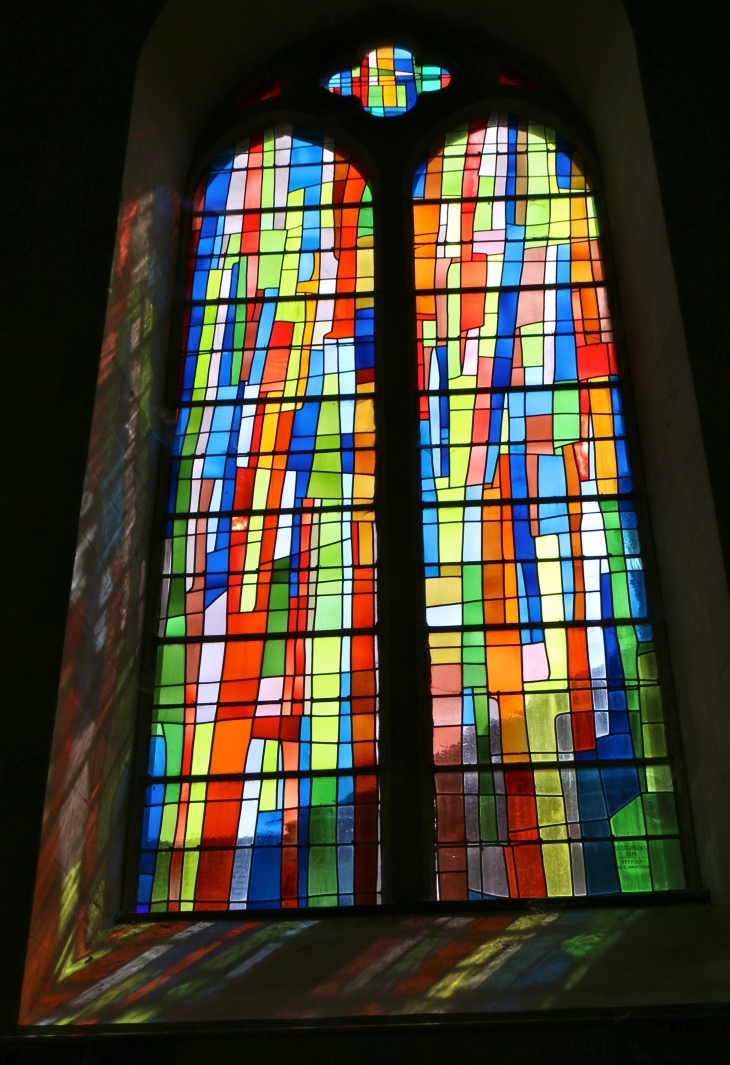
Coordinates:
(540,633)
(388,81)
(262,784)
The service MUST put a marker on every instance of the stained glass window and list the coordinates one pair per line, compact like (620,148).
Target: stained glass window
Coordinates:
(548,737)
(388,81)
(262,787)
(550,760)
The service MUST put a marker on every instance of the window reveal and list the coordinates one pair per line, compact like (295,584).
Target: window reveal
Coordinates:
(547,715)
(262,786)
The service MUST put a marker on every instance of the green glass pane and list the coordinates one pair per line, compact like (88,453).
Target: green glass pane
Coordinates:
(323,873)
(661,814)
(629,821)
(632,860)
(667,867)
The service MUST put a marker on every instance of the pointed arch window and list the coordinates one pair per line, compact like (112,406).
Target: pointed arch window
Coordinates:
(543,663)
(264,723)
(534,763)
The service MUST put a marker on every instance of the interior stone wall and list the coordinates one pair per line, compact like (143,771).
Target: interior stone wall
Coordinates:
(195,54)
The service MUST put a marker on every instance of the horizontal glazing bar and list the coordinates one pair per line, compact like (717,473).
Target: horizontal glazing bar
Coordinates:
(238,637)
(214,778)
(271,567)
(299,297)
(517,626)
(288,209)
(478,289)
(529,764)
(248,512)
(558,386)
(181,515)
(509,501)
(275,400)
(353,449)
(372,292)
(577,194)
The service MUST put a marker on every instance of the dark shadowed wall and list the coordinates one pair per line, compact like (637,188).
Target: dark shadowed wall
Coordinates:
(70,72)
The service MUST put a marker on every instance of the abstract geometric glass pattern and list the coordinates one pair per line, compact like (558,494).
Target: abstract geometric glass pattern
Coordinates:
(388,81)
(262,787)
(549,743)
